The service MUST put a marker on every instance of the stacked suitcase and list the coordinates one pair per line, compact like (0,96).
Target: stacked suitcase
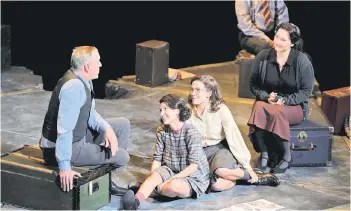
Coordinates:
(312,140)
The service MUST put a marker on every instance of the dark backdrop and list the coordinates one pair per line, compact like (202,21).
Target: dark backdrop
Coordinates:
(44,33)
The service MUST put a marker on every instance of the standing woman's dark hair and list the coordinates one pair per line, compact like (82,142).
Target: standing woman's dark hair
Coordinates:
(294,32)
(295,36)
(177,102)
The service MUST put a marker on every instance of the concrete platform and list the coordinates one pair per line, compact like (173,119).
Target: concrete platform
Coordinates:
(302,188)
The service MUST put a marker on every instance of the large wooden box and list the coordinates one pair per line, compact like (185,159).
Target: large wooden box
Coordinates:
(27,182)
(152,62)
(336,106)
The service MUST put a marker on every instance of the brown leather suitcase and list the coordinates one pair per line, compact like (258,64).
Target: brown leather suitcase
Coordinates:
(152,62)
(336,106)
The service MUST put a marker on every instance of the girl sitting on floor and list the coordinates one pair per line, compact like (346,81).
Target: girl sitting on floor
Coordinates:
(180,167)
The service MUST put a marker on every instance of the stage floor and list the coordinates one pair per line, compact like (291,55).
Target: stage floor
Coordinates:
(24,103)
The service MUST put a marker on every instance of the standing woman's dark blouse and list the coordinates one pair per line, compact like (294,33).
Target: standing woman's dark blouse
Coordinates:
(294,83)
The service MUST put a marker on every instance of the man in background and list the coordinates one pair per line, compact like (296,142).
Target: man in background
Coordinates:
(257,20)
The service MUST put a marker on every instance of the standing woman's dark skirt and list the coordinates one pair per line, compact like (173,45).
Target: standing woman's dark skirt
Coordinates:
(276,119)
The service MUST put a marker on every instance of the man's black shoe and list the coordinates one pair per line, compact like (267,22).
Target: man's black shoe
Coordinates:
(267,179)
(130,202)
(117,191)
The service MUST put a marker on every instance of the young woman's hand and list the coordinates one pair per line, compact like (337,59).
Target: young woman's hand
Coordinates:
(253,176)
(204,144)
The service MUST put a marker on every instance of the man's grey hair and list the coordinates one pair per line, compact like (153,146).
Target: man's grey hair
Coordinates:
(81,55)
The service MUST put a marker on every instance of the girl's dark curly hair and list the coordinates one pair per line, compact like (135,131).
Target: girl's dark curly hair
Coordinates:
(177,102)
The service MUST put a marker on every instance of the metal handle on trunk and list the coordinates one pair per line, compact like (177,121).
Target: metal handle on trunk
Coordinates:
(93,187)
(303,148)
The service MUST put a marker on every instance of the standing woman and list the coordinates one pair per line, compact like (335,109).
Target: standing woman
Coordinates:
(225,148)
(180,168)
(281,79)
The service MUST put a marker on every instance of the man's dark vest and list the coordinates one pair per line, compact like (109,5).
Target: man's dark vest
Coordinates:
(49,130)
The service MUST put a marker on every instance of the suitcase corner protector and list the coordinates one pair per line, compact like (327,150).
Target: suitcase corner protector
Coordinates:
(331,129)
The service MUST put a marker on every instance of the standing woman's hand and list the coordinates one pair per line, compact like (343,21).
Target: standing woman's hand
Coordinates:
(271,99)
(280,102)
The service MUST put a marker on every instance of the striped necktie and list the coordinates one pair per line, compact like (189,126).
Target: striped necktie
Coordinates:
(266,14)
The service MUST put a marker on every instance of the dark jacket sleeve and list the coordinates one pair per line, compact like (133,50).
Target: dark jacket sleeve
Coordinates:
(306,81)
(255,82)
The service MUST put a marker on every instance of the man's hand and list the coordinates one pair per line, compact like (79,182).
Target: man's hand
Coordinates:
(253,176)
(66,179)
(111,140)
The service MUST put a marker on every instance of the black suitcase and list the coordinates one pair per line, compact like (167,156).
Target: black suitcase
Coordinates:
(27,182)
(245,65)
(312,140)
(152,62)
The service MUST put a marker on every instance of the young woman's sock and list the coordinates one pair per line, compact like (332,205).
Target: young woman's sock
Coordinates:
(140,196)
